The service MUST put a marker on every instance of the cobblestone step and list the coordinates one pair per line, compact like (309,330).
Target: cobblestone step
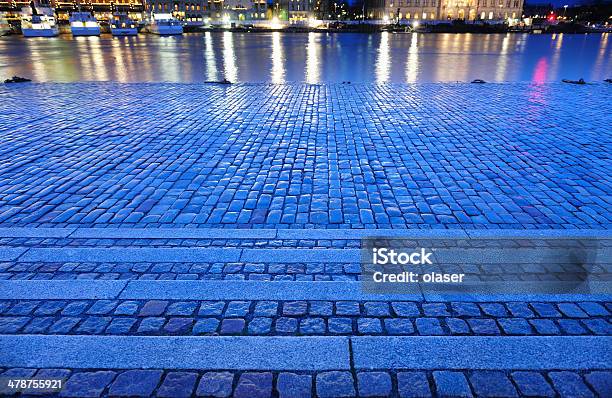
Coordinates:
(304,384)
(293,234)
(302,317)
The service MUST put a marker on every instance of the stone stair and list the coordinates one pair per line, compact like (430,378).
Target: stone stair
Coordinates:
(288,338)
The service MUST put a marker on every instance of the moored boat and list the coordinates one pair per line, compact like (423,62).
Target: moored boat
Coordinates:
(5,28)
(38,21)
(122,25)
(165,24)
(83,23)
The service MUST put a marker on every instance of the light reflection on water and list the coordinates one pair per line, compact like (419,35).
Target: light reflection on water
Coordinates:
(313,57)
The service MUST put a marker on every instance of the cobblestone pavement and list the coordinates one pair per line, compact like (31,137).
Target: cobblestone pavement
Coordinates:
(256,384)
(303,157)
(303,318)
(306,156)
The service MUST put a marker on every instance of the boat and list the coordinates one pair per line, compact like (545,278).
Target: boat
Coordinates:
(165,24)
(83,23)
(38,21)
(5,28)
(122,25)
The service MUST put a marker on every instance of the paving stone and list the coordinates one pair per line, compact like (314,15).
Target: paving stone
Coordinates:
(153,308)
(369,326)
(266,308)
(347,308)
(520,310)
(232,326)
(483,326)
(569,384)
(429,327)
(546,310)
(598,326)
(177,384)
(13,324)
(181,308)
(50,308)
(340,325)
(206,326)
(215,384)
(532,384)
(151,325)
(286,325)
(571,326)
(23,308)
(64,325)
(321,308)
(87,384)
(451,384)
(120,326)
(295,308)
(515,326)
(177,325)
(435,309)
(127,308)
(376,309)
(312,326)
(254,385)
(571,310)
(211,308)
(335,384)
(237,309)
(94,325)
(600,381)
(18,373)
(492,384)
(545,326)
(260,325)
(413,385)
(374,384)
(594,309)
(494,309)
(291,385)
(102,307)
(398,326)
(457,326)
(75,308)
(135,383)
(405,309)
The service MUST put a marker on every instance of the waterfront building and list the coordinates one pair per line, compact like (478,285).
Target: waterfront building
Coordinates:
(298,11)
(191,11)
(239,10)
(467,10)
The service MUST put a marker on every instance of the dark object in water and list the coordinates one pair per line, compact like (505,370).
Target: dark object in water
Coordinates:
(17,79)
(224,81)
(608,80)
(346,82)
(580,81)
(478,81)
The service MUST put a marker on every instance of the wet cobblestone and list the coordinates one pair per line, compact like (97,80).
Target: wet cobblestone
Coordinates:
(305,156)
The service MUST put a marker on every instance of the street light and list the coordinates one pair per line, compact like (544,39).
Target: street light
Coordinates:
(564,10)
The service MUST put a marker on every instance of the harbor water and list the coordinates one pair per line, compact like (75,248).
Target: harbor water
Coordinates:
(309,57)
